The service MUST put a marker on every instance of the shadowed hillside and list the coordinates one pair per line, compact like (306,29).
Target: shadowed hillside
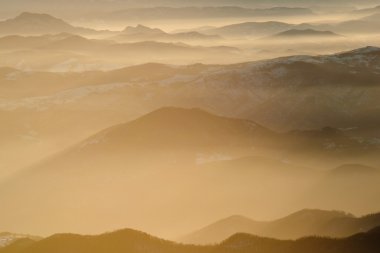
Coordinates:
(136,242)
(300,224)
(172,148)
(305,34)
(36,23)
(164,116)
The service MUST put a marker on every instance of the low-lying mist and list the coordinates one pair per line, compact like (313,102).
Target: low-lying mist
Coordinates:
(189,122)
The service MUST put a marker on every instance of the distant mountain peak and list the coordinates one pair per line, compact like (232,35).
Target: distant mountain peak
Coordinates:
(142,29)
(171,127)
(177,113)
(34,23)
(140,26)
(233,219)
(30,16)
(26,14)
(306,33)
(307,213)
(28,23)
(177,110)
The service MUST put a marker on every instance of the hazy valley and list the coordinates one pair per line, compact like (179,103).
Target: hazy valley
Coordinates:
(211,126)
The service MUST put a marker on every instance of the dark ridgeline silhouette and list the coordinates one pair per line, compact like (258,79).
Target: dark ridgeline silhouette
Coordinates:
(297,225)
(132,241)
(305,34)
(172,138)
(101,142)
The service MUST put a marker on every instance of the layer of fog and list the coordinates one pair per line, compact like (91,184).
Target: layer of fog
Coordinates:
(169,193)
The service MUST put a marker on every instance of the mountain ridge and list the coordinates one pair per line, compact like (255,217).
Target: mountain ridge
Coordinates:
(39,23)
(134,241)
(306,222)
(306,33)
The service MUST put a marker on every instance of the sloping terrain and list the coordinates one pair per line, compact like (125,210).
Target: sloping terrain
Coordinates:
(300,224)
(136,242)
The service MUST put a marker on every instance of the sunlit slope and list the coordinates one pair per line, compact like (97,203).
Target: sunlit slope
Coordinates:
(300,92)
(189,150)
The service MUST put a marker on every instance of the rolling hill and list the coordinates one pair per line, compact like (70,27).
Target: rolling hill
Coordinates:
(305,34)
(68,41)
(207,12)
(250,29)
(159,147)
(65,52)
(183,149)
(175,127)
(36,24)
(274,93)
(361,25)
(367,11)
(137,242)
(164,132)
(325,91)
(144,33)
(297,225)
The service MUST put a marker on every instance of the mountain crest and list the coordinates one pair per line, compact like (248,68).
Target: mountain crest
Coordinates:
(306,33)
(142,29)
(38,17)
(363,50)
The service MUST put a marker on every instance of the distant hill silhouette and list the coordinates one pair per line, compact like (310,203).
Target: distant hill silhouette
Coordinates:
(367,11)
(35,23)
(306,33)
(69,51)
(183,13)
(137,242)
(69,41)
(354,170)
(250,29)
(365,242)
(175,127)
(368,24)
(114,160)
(141,33)
(141,29)
(300,224)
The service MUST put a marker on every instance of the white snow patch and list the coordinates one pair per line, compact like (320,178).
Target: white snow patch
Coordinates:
(7,239)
